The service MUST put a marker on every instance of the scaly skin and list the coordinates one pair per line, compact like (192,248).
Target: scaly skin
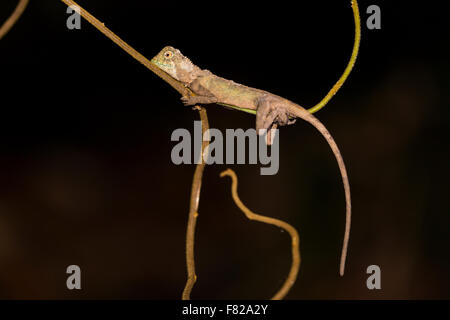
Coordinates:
(271,110)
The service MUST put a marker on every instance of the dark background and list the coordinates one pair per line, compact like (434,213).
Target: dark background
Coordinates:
(86,176)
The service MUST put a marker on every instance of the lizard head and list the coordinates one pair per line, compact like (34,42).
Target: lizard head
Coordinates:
(173,62)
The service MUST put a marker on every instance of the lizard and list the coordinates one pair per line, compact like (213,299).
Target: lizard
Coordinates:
(270,110)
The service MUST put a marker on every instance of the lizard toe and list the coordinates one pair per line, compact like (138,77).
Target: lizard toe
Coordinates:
(187,101)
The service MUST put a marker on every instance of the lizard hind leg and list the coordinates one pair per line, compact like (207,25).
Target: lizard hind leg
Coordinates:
(193,100)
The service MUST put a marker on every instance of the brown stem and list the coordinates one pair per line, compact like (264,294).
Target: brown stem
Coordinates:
(20,8)
(295,266)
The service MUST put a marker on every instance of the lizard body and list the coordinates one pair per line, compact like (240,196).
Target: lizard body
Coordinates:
(271,110)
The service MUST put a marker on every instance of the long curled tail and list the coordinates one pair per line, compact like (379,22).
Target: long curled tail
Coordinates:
(300,112)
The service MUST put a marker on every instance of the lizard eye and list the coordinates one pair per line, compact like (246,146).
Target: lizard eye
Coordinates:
(168,54)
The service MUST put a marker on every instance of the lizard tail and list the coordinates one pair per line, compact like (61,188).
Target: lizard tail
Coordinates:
(305,115)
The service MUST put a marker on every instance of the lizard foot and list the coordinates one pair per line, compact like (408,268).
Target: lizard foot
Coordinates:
(187,101)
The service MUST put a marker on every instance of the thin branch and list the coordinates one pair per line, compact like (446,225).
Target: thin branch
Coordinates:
(193,210)
(350,64)
(295,266)
(20,8)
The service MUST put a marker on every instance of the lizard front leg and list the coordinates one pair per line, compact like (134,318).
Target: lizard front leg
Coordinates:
(193,100)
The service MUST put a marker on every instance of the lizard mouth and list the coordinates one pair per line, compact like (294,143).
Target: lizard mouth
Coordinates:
(159,64)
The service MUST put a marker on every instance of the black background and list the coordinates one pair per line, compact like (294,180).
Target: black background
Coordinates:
(86,176)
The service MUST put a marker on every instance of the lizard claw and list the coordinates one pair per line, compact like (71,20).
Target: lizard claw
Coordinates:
(187,101)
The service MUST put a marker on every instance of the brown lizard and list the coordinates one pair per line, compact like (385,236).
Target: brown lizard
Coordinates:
(271,110)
